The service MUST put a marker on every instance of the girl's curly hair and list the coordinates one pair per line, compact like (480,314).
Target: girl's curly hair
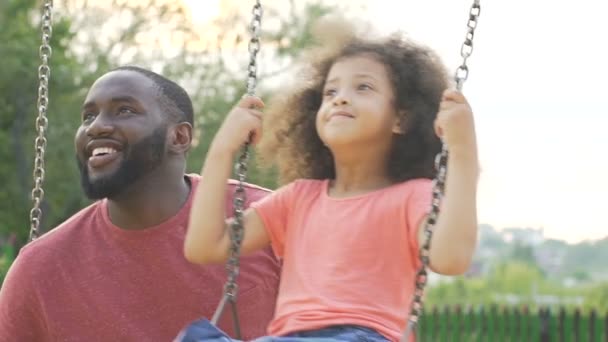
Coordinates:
(418,77)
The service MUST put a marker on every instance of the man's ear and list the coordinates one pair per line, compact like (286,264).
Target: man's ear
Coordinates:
(180,138)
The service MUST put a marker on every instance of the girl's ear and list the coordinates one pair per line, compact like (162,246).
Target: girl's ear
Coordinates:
(400,124)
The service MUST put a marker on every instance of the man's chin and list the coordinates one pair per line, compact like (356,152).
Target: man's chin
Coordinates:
(94,193)
(96,188)
(98,178)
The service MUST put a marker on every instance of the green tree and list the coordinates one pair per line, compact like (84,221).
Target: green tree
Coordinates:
(507,279)
(523,253)
(90,39)
(19,44)
(589,256)
(515,277)
(7,255)
(597,297)
(459,291)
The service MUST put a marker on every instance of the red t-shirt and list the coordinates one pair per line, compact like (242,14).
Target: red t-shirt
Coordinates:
(88,280)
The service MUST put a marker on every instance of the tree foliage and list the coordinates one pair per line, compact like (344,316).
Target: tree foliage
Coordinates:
(90,38)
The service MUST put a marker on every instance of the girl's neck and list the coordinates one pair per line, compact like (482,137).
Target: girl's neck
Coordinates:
(359,174)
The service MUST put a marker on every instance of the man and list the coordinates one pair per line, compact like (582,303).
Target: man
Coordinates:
(115,271)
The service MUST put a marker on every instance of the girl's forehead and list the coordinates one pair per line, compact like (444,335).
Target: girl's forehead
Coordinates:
(362,65)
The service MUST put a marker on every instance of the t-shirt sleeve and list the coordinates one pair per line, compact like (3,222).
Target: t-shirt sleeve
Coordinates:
(21,315)
(418,205)
(274,212)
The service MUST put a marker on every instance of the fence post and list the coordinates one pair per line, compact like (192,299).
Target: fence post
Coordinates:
(507,328)
(482,324)
(577,325)
(606,326)
(517,331)
(592,318)
(528,331)
(469,322)
(457,324)
(436,324)
(492,330)
(561,325)
(447,323)
(545,322)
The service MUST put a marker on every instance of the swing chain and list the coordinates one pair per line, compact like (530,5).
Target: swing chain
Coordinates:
(236,231)
(254,46)
(422,274)
(44,73)
(240,196)
(462,73)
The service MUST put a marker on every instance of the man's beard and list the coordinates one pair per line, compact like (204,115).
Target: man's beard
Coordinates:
(138,160)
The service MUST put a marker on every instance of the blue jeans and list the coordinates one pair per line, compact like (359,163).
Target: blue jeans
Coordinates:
(203,330)
(333,334)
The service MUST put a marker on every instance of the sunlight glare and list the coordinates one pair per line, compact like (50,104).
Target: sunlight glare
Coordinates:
(202,12)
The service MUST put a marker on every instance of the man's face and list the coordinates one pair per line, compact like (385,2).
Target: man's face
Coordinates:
(122,136)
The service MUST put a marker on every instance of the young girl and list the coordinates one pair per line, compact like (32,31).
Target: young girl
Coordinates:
(355,147)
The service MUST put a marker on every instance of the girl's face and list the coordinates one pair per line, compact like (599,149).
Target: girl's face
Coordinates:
(358,105)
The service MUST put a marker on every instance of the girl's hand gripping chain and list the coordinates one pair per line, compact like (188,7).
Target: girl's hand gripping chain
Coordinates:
(455,124)
(243,124)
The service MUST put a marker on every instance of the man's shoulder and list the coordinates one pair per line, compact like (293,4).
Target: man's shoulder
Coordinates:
(59,239)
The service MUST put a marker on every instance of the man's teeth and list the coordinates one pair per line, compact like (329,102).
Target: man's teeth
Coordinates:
(103,150)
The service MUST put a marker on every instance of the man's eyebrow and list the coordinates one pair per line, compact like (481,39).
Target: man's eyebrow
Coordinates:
(125,98)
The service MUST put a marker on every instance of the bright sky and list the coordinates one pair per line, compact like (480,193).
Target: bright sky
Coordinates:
(537,79)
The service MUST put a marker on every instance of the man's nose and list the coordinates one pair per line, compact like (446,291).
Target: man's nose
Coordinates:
(100,126)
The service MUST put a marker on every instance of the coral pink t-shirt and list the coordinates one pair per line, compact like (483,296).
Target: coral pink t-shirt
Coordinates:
(345,260)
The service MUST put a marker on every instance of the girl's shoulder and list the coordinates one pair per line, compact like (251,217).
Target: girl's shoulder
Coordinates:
(301,188)
(306,185)
(415,186)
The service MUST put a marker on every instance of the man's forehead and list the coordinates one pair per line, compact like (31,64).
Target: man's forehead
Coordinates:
(122,84)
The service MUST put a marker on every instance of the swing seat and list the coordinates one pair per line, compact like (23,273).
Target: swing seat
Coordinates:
(203,330)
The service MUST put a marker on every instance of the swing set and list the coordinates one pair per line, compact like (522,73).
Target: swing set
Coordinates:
(236,229)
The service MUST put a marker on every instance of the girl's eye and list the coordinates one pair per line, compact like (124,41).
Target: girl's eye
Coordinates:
(329,92)
(364,86)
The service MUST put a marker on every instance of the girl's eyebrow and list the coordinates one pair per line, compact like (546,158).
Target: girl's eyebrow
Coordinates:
(357,75)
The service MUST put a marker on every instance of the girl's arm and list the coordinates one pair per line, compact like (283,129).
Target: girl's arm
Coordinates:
(208,238)
(455,234)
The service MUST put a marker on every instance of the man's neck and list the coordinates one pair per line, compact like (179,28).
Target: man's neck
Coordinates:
(149,201)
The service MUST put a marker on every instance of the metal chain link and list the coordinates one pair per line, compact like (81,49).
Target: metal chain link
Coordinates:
(240,196)
(462,72)
(44,73)
(254,46)
(461,75)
